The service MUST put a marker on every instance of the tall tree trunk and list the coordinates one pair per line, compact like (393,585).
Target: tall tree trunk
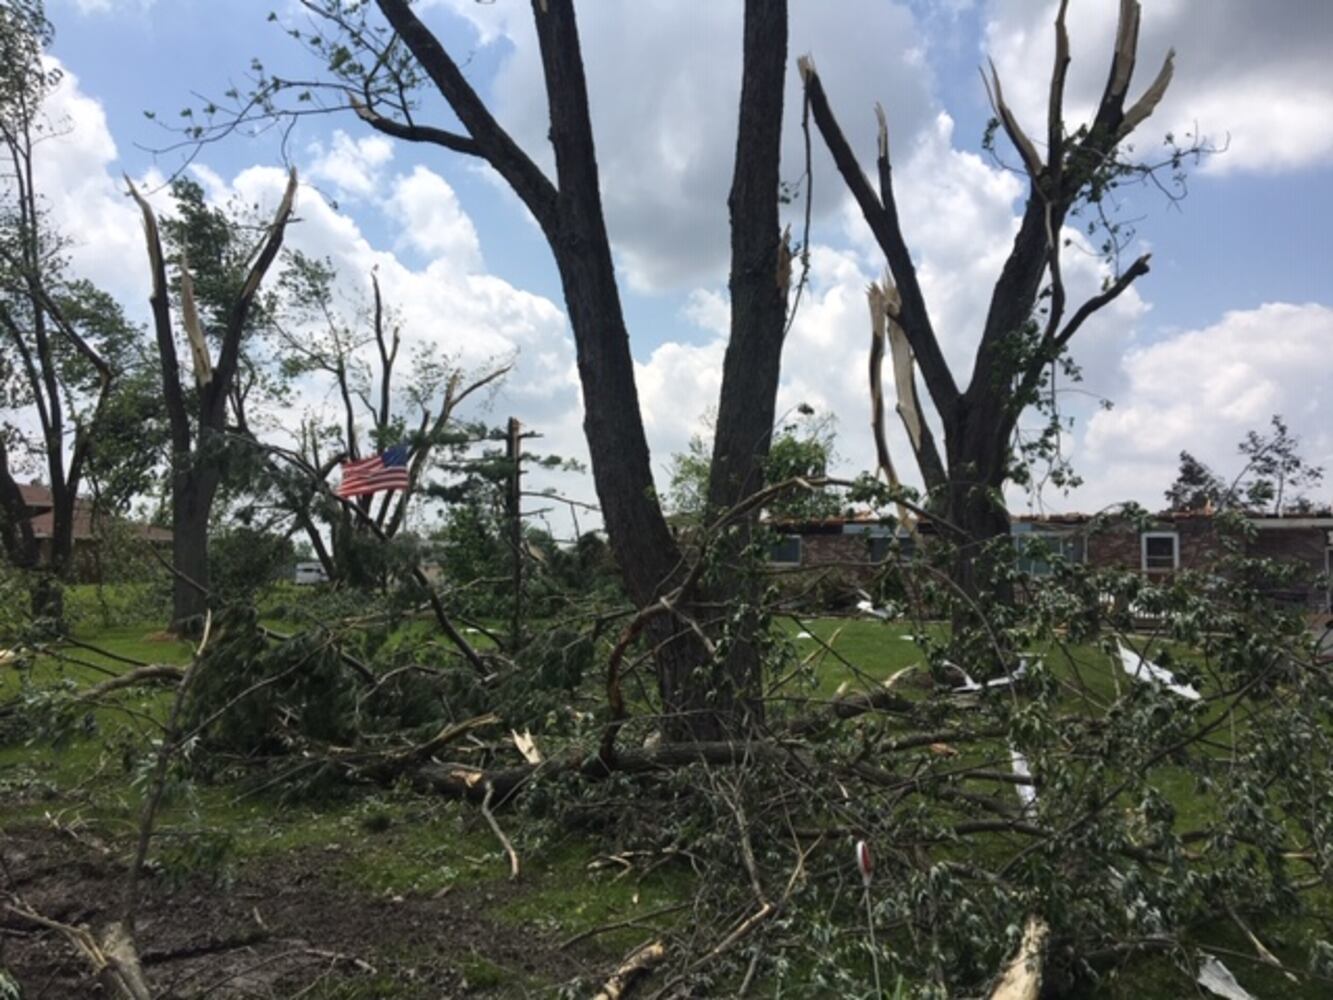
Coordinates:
(760,269)
(570,214)
(977,443)
(191,502)
(22,549)
(48,596)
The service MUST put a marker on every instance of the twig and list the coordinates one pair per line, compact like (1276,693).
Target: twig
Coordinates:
(1260,948)
(617,925)
(165,750)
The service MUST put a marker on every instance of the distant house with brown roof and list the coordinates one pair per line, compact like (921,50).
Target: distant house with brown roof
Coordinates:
(90,529)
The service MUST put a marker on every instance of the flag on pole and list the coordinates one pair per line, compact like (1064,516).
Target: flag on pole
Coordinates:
(385,471)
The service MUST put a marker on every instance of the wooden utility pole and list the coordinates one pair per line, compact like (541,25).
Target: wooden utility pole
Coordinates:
(514,510)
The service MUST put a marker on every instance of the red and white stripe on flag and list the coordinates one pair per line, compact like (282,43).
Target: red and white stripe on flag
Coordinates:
(386,471)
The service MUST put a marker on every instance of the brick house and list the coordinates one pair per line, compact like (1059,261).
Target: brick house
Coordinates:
(1171,542)
(88,531)
(853,542)
(1191,540)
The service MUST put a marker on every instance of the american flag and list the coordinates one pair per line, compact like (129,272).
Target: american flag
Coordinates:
(385,471)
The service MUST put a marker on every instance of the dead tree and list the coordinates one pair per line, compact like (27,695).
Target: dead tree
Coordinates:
(1017,347)
(198,437)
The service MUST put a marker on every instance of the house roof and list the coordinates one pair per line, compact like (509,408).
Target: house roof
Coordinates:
(35,495)
(864,517)
(1260,519)
(43,524)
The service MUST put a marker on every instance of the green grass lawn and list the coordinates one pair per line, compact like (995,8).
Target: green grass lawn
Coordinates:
(383,843)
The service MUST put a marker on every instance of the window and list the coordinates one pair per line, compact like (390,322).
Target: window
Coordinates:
(881,546)
(786,550)
(1037,549)
(1161,551)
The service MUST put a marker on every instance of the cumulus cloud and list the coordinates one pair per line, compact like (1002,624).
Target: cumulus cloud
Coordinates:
(1201,390)
(448,307)
(447,303)
(432,220)
(958,214)
(352,166)
(664,86)
(79,182)
(1255,71)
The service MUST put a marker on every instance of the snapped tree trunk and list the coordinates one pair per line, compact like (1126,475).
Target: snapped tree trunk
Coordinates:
(1026,330)
(197,451)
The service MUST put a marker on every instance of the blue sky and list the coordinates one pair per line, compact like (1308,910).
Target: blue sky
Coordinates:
(1233,323)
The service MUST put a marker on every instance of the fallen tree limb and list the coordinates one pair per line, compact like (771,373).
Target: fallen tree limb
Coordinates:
(157,673)
(384,767)
(1021,979)
(466,782)
(881,699)
(114,961)
(638,964)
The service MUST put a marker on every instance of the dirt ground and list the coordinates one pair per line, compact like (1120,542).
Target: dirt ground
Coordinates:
(279,929)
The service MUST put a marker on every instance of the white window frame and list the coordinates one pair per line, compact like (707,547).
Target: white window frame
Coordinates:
(1143,551)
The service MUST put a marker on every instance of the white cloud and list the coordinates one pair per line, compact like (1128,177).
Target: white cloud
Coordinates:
(1257,71)
(449,304)
(664,86)
(112,6)
(472,318)
(353,166)
(958,216)
(433,222)
(77,176)
(709,311)
(1201,390)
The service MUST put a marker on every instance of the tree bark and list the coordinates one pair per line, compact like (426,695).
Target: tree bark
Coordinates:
(191,501)
(699,703)
(976,507)
(760,271)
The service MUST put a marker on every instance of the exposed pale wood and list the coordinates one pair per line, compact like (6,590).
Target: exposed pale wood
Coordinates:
(505,842)
(1021,979)
(1147,104)
(638,964)
(194,330)
(875,294)
(1031,159)
(904,379)
(152,674)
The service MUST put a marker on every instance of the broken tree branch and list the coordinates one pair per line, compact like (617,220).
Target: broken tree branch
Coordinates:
(499,833)
(637,965)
